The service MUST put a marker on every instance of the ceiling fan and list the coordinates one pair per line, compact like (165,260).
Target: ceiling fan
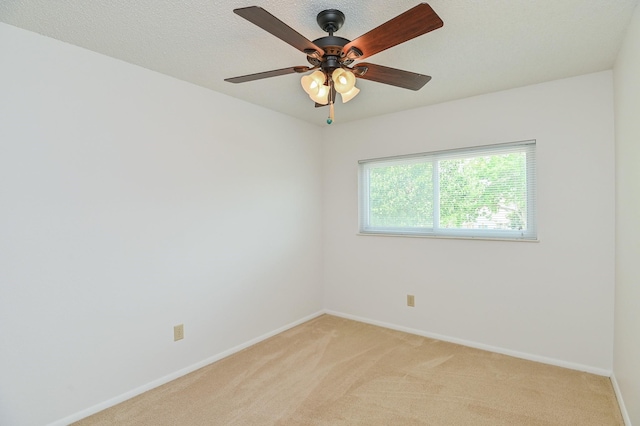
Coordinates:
(333,57)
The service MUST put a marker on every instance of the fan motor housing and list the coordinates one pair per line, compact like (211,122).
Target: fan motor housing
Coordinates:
(332,47)
(330,20)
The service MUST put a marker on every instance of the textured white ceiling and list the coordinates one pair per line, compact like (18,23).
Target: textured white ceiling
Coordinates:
(484,46)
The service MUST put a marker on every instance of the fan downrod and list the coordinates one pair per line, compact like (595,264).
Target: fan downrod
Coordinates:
(330,20)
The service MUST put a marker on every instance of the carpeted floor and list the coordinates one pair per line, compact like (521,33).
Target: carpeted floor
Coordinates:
(334,371)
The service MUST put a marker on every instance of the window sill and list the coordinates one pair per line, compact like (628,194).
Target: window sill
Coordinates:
(443,237)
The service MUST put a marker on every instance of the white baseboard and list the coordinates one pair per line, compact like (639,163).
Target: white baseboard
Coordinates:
(472,344)
(161,381)
(623,408)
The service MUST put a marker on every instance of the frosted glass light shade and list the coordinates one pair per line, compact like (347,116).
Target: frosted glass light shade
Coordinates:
(308,84)
(346,97)
(343,80)
(312,83)
(321,96)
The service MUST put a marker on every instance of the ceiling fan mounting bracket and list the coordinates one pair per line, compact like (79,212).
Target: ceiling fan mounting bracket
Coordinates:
(330,20)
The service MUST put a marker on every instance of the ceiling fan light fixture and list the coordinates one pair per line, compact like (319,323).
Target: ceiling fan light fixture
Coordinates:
(318,76)
(321,96)
(343,80)
(312,83)
(331,56)
(308,84)
(346,97)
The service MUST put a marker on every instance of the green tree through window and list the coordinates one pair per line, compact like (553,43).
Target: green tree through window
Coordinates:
(402,195)
(486,191)
(485,188)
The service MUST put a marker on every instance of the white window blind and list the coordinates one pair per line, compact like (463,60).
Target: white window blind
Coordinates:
(483,192)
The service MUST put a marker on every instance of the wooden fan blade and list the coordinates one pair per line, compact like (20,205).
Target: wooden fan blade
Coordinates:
(267,74)
(413,23)
(270,23)
(395,77)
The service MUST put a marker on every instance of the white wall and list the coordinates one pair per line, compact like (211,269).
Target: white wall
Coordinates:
(551,300)
(131,202)
(627,320)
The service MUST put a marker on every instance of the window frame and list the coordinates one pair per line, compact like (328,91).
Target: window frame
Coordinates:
(529,234)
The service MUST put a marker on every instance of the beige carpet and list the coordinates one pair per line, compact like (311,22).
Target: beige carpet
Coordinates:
(333,371)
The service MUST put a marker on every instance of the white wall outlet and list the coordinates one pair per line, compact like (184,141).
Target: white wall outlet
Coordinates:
(411,300)
(178,332)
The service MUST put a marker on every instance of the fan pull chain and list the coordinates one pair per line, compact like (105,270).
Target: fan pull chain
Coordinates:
(330,119)
(332,94)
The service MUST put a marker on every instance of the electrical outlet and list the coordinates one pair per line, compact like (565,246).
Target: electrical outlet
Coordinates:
(178,332)
(411,300)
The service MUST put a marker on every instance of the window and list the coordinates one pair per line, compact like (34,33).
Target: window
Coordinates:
(484,192)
